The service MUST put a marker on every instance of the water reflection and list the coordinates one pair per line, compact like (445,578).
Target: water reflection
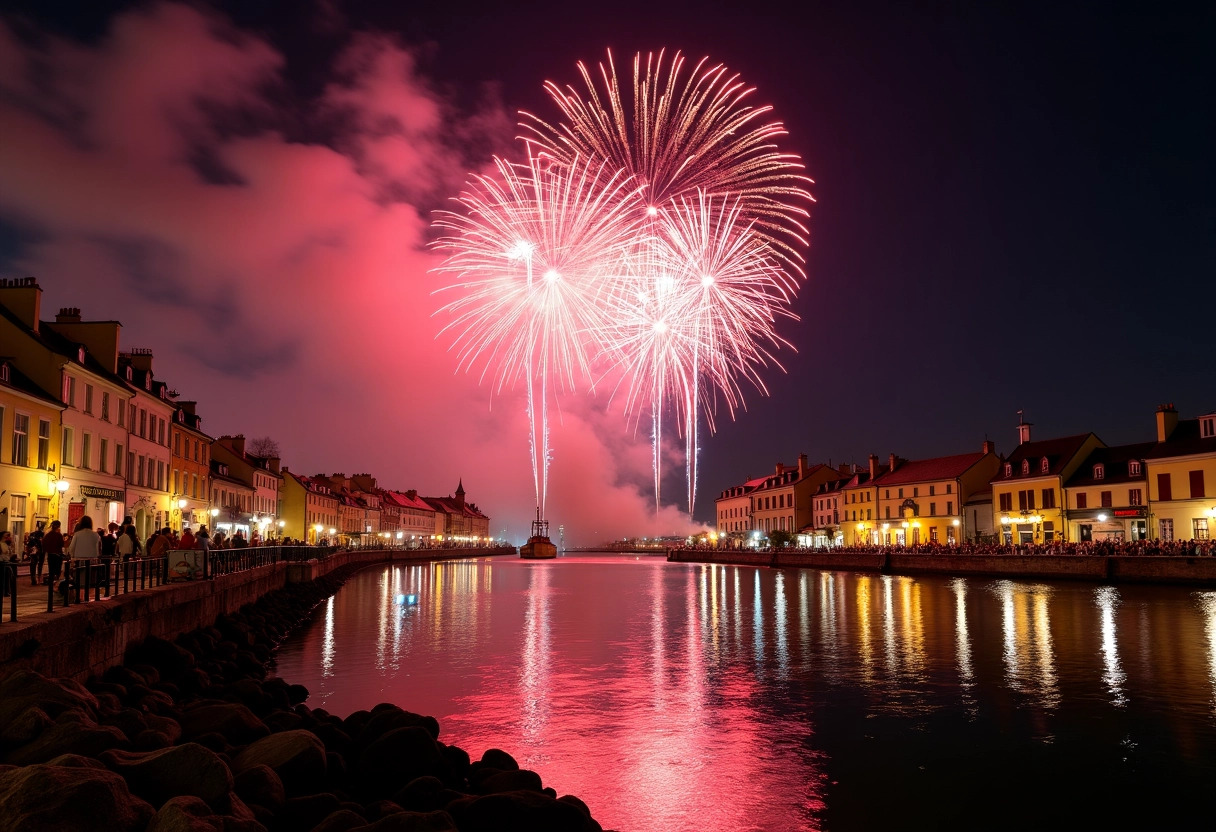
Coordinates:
(644,687)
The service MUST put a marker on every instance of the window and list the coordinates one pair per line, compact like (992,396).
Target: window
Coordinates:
(868,514)
(21,441)
(1049,498)
(1030,499)
(143,423)
(86,449)
(194,484)
(1197,492)
(933,534)
(1099,471)
(932,509)
(1200,530)
(103,458)
(118,459)
(1044,466)
(915,492)
(69,391)
(44,444)
(949,488)
(1166,528)
(160,432)
(1006,501)
(177,480)
(901,493)
(1008,470)
(1082,500)
(139,470)
(1133,468)
(105,406)
(888,517)
(1135,497)
(122,415)
(1025,467)
(1207,427)
(1164,490)
(949,507)
(16,519)
(888,494)
(177,444)
(69,442)
(1106,499)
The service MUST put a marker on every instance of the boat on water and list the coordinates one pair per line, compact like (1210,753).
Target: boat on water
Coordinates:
(539,546)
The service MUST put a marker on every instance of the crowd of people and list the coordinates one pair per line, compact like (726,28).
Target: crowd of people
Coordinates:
(1093,548)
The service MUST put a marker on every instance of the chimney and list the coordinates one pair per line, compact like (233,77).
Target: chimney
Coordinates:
(780,468)
(236,444)
(100,338)
(1167,421)
(274,463)
(987,447)
(891,460)
(412,494)
(873,466)
(802,465)
(1023,429)
(141,359)
(68,315)
(23,297)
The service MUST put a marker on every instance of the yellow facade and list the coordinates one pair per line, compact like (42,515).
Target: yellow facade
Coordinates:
(922,501)
(858,501)
(1028,495)
(29,455)
(1182,478)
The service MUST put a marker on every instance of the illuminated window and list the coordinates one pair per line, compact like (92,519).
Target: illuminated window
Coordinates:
(1135,497)
(1133,468)
(1025,467)
(1008,469)
(1200,528)
(1099,471)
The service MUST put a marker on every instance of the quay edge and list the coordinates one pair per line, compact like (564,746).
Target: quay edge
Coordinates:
(1144,569)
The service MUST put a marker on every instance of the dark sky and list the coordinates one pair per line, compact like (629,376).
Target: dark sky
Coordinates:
(1014,200)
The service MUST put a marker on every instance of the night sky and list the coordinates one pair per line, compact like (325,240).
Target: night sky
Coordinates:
(1013,212)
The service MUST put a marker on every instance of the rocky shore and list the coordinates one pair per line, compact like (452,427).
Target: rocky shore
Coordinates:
(191,736)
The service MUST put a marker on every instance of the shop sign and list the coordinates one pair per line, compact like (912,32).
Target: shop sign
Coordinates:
(101,493)
(1130,512)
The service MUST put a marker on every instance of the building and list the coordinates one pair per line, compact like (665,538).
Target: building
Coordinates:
(309,508)
(231,500)
(977,516)
(782,502)
(463,522)
(1106,497)
(858,499)
(1028,493)
(1181,477)
(734,512)
(191,484)
(419,520)
(75,362)
(921,500)
(149,457)
(826,528)
(260,474)
(29,453)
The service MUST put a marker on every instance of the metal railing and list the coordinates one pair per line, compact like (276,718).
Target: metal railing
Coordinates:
(84,580)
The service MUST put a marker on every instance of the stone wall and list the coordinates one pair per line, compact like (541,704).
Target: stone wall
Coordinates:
(1188,571)
(85,639)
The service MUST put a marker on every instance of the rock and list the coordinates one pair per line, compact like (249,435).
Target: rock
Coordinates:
(167,658)
(23,688)
(166,725)
(73,732)
(298,757)
(38,798)
(188,769)
(279,721)
(499,759)
(150,740)
(342,820)
(529,810)
(25,728)
(128,720)
(303,812)
(425,794)
(510,781)
(398,757)
(298,694)
(260,786)
(458,761)
(191,814)
(379,808)
(415,822)
(335,738)
(76,761)
(235,722)
(386,717)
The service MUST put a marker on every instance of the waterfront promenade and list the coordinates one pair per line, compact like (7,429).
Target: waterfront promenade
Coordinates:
(1192,564)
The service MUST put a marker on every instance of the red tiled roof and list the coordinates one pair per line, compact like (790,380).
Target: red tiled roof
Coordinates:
(924,470)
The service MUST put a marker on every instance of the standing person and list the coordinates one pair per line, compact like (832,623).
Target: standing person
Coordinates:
(85,545)
(8,554)
(109,547)
(150,541)
(160,544)
(202,542)
(37,555)
(128,544)
(187,541)
(52,544)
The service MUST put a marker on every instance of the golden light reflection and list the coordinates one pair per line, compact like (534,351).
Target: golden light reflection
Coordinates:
(757,619)
(865,639)
(1207,604)
(962,638)
(779,613)
(327,644)
(1107,599)
(534,671)
(1028,649)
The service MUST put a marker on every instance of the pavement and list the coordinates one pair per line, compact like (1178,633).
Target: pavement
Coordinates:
(32,602)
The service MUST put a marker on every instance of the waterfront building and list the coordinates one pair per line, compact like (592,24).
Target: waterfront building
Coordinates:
(463,522)
(419,520)
(826,528)
(358,509)
(1106,496)
(977,516)
(364,488)
(259,473)
(921,500)
(231,500)
(390,515)
(191,483)
(29,453)
(1028,488)
(150,410)
(76,363)
(782,501)
(309,508)
(858,498)
(734,512)
(1181,477)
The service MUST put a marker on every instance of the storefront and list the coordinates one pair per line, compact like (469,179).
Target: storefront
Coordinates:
(103,505)
(1109,524)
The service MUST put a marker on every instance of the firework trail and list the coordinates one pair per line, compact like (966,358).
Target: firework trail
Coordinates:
(688,136)
(530,248)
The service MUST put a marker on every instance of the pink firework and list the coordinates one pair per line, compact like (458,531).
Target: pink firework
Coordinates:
(531,250)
